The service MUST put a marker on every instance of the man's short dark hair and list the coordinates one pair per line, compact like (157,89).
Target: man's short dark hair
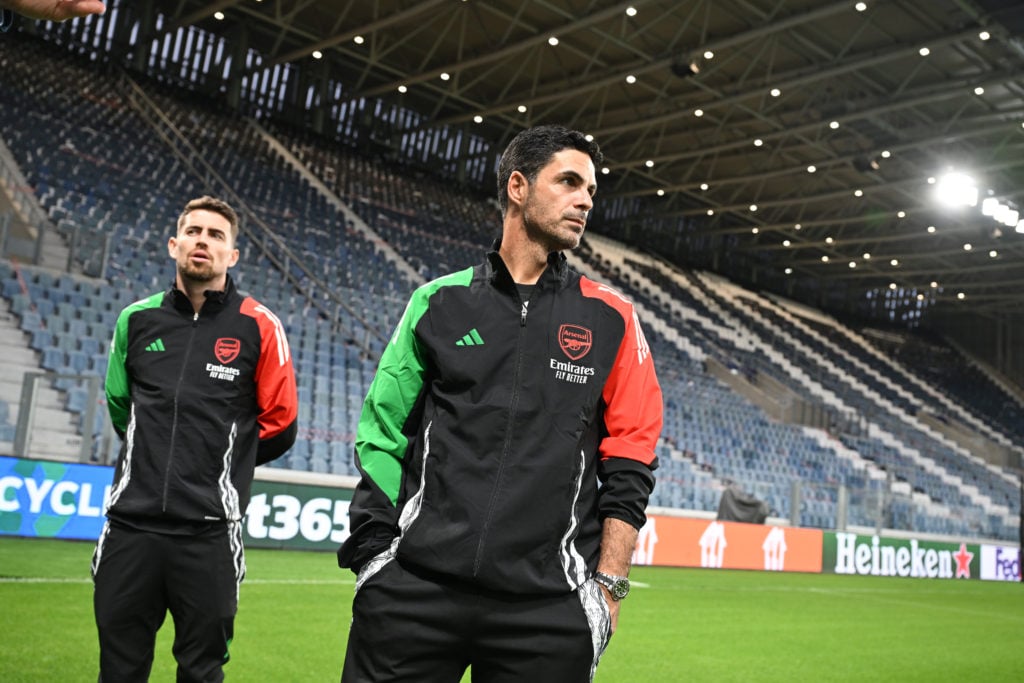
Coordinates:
(532,149)
(207,203)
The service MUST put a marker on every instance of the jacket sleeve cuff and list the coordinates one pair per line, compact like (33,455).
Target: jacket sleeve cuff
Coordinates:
(276,446)
(625,489)
(363,546)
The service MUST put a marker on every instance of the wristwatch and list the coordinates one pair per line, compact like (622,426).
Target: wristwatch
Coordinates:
(618,586)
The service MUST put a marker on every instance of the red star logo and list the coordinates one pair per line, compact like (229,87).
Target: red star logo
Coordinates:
(963,562)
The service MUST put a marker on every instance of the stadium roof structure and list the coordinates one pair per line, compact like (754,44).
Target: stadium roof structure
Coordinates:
(801,143)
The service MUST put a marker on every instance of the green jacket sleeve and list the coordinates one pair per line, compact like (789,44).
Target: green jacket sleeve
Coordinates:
(118,384)
(382,438)
(118,387)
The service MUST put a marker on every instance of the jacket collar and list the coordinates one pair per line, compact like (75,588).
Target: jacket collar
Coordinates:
(215,299)
(554,276)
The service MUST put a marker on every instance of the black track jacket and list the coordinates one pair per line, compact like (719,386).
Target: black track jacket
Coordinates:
(200,400)
(490,423)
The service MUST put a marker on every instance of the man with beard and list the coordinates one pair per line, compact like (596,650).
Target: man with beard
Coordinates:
(201,389)
(506,451)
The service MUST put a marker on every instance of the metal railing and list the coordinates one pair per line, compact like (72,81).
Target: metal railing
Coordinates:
(14,184)
(317,292)
(27,427)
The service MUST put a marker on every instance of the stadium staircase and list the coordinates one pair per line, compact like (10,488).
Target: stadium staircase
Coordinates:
(54,432)
(352,219)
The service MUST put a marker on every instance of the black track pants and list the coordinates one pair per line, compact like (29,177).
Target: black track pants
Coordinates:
(140,575)
(407,628)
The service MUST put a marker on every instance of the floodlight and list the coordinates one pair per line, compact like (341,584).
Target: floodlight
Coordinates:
(1002,213)
(957,189)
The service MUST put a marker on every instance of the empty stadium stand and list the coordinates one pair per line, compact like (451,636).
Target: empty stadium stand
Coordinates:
(361,232)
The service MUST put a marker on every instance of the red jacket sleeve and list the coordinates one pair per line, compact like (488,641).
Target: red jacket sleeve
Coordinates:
(632,395)
(275,385)
(632,418)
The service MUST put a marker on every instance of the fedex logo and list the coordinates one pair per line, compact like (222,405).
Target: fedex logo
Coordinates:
(1000,563)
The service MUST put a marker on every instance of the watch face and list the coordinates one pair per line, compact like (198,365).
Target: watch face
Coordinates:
(618,586)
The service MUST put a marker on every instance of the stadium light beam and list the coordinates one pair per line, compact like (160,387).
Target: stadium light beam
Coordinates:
(956,189)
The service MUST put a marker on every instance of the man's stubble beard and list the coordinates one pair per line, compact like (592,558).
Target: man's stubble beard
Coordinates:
(192,273)
(553,238)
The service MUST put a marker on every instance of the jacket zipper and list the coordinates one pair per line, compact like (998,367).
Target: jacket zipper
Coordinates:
(507,446)
(174,418)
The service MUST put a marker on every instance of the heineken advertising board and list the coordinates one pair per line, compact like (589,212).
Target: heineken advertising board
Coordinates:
(846,553)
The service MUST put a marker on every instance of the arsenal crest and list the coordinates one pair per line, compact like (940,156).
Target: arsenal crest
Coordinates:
(226,349)
(575,340)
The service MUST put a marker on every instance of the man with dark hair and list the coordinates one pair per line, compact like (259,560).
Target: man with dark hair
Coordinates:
(200,387)
(506,448)
(530,152)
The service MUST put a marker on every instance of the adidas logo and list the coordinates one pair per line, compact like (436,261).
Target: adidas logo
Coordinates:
(471,338)
(158,345)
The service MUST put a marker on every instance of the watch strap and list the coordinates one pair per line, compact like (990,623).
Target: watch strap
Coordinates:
(618,586)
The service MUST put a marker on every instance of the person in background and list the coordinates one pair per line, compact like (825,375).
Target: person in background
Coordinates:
(506,449)
(52,10)
(200,387)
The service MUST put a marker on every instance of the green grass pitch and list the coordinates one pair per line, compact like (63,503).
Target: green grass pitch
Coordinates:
(684,625)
